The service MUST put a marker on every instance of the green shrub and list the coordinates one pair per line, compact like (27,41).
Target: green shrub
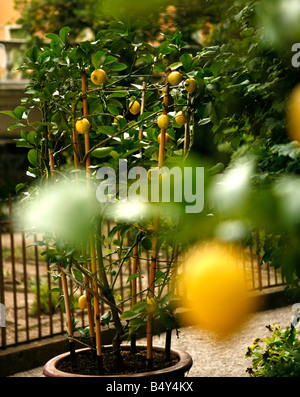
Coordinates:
(277,355)
(44,298)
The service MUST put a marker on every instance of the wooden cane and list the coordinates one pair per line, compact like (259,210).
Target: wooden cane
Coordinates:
(91,236)
(155,232)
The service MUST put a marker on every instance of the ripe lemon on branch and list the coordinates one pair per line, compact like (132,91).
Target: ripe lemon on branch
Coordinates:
(190,85)
(82,126)
(82,302)
(99,76)
(163,121)
(134,107)
(181,118)
(175,78)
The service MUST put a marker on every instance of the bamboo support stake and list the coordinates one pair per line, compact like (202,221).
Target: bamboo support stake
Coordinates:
(187,136)
(76,151)
(155,238)
(91,238)
(63,275)
(135,248)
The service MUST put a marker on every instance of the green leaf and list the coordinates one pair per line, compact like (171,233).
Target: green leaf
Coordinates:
(129,315)
(118,94)
(15,125)
(166,320)
(55,289)
(31,137)
(187,61)
(159,67)
(132,277)
(9,113)
(19,111)
(134,324)
(112,109)
(19,187)
(118,66)
(146,243)
(106,129)
(23,143)
(159,276)
(53,37)
(63,33)
(105,318)
(33,157)
(109,59)
(101,152)
(175,65)
(78,275)
(32,54)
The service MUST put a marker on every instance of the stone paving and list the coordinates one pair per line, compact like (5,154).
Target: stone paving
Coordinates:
(214,357)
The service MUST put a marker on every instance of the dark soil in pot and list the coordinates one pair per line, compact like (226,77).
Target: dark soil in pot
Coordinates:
(86,363)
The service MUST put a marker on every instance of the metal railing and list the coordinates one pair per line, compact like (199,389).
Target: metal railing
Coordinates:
(11,60)
(31,313)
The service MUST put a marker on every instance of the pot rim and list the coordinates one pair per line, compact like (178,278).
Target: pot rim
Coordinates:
(184,364)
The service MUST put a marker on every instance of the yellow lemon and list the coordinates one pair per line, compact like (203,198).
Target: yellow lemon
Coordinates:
(134,107)
(82,126)
(190,85)
(215,288)
(98,77)
(82,302)
(163,121)
(174,78)
(152,305)
(181,118)
(118,118)
(167,138)
(293,114)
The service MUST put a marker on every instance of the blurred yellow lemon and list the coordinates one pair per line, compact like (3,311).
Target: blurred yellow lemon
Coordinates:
(167,138)
(181,118)
(152,305)
(293,114)
(217,298)
(82,302)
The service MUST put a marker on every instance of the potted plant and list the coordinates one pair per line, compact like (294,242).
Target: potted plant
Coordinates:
(100,114)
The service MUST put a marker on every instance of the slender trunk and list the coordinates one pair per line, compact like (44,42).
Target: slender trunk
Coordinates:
(108,294)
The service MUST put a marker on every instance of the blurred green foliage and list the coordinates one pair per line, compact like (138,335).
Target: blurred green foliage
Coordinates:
(238,114)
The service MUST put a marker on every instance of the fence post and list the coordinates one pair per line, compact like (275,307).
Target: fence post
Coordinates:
(2,315)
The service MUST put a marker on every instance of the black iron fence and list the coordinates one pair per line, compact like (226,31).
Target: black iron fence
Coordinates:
(29,312)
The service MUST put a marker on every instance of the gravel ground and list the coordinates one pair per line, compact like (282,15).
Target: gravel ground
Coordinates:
(214,357)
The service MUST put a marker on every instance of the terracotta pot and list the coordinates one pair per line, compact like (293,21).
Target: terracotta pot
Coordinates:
(179,369)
